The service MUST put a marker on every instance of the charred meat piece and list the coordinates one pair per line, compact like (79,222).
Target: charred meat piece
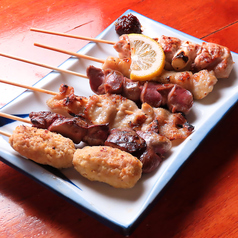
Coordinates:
(171,125)
(128,24)
(113,82)
(66,102)
(157,146)
(150,160)
(148,147)
(43,119)
(123,47)
(127,140)
(97,78)
(74,128)
(96,134)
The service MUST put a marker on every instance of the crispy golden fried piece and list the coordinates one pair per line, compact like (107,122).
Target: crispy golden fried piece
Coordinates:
(109,165)
(43,146)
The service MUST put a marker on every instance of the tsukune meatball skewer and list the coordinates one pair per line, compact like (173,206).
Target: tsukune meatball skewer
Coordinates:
(148,147)
(98,163)
(42,146)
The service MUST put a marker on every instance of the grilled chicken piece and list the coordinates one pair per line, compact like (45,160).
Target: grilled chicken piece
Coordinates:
(199,84)
(120,64)
(196,57)
(187,56)
(66,102)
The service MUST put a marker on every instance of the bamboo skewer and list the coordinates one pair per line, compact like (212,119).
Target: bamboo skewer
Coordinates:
(73,36)
(70,53)
(15,118)
(29,87)
(5,133)
(44,65)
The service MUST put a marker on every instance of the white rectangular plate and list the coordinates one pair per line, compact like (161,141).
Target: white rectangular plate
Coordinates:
(119,209)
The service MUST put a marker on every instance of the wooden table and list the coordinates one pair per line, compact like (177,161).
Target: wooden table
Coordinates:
(200,201)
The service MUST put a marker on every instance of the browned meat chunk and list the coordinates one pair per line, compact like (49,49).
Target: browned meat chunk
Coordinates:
(74,128)
(127,140)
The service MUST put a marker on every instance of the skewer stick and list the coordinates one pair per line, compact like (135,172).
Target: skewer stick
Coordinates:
(15,118)
(44,65)
(5,133)
(73,36)
(29,87)
(70,53)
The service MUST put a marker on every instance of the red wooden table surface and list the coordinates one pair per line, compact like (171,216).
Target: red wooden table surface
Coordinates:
(200,201)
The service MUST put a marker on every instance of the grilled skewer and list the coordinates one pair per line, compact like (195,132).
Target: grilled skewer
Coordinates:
(42,146)
(180,55)
(149,147)
(119,112)
(199,84)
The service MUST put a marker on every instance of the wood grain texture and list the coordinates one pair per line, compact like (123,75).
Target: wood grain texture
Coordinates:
(201,199)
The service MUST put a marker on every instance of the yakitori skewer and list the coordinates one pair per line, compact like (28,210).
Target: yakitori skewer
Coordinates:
(47,148)
(73,36)
(183,56)
(44,65)
(42,146)
(73,128)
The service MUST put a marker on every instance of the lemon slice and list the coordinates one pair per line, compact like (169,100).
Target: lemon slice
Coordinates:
(147,57)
